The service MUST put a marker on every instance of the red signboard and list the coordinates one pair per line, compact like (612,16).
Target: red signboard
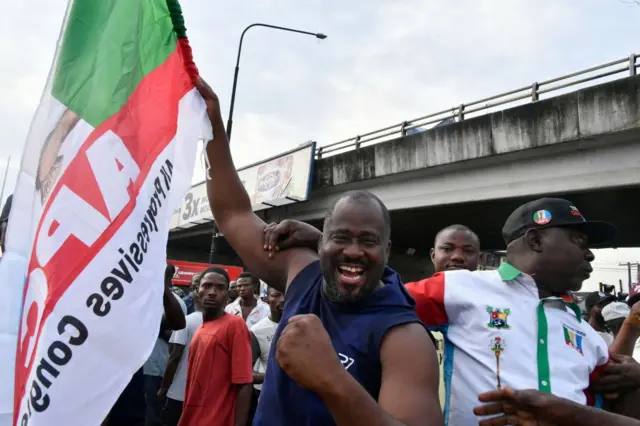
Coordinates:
(186,270)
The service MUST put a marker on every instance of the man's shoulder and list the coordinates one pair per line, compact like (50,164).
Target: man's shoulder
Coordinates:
(461,275)
(464,274)
(259,324)
(194,320)
(263,306)
(233,307)
(308,275)
(263,324)
(235,321)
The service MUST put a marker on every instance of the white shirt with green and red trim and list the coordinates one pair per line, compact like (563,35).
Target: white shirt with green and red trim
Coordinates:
(496,317)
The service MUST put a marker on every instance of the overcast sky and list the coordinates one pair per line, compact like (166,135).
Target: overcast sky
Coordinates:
(383,62)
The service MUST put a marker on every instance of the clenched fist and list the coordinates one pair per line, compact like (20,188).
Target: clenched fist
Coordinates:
(305,353)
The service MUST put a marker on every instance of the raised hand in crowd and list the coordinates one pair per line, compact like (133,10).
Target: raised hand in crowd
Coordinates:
(213,106)
(173,318)
(535,408)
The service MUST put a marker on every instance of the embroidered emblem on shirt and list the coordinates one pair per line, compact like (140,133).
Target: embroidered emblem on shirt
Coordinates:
(346,361)
(498,318)
(497,347)
(573,338)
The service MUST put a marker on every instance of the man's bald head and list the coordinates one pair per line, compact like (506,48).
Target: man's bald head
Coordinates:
(361,197)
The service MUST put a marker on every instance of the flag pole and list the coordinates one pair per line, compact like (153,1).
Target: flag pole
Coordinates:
(4,181)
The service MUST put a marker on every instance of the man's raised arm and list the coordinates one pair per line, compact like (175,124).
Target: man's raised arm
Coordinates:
(232,210)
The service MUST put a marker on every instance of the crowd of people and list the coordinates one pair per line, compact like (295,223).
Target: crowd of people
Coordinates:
(210,341)
(352,346)
(342,340)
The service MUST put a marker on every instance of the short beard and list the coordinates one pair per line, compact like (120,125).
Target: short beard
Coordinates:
(333,294)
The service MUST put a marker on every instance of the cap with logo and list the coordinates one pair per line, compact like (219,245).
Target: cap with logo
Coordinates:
(597,298)
(555,213)
(615,310)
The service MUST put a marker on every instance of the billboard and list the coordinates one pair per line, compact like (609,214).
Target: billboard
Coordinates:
(278,181)
(186,270)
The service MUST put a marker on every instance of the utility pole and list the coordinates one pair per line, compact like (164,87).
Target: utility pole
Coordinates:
(629,265)
(4,181)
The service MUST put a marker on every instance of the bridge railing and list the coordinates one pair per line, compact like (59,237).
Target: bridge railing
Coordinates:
(619,68)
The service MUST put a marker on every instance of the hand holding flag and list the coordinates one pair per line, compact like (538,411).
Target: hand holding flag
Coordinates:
(213,106)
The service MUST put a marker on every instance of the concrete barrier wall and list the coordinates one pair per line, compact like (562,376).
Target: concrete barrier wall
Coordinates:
(582,115)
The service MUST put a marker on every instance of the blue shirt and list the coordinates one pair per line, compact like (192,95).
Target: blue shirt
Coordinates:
(356,331)
(188,301)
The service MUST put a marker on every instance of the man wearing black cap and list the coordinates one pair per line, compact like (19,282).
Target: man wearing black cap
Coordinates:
(531,322)
(518,326)
(594,303)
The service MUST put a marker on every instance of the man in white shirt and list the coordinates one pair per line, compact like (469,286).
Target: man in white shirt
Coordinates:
(261,337)
(175,375)
(156,363)
(247,305)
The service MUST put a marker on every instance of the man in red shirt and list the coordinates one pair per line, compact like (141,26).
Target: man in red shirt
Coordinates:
(219,372)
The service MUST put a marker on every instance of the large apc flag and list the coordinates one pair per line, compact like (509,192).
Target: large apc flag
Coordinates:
(109,155)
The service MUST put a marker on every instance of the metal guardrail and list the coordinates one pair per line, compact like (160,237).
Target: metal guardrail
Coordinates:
(482,106)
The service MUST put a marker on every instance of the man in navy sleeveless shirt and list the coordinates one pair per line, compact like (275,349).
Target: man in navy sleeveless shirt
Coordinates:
(349,349)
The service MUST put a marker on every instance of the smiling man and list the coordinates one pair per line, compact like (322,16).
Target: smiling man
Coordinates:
(349,348)
(455,247)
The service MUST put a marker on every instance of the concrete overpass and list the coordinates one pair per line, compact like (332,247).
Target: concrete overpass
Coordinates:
(583,145)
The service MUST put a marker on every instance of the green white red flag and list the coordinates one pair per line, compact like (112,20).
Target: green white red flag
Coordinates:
(109,155)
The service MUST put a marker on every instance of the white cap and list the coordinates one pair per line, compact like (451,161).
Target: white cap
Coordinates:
(615,310)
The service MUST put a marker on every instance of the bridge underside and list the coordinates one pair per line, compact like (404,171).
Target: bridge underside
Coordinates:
(416,228)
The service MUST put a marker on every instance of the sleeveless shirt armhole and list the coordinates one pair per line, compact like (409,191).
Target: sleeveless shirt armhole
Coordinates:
(303,281)
(397,320)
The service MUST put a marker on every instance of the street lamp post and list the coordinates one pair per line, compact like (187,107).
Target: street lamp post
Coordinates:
(218,242)
(235,75)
